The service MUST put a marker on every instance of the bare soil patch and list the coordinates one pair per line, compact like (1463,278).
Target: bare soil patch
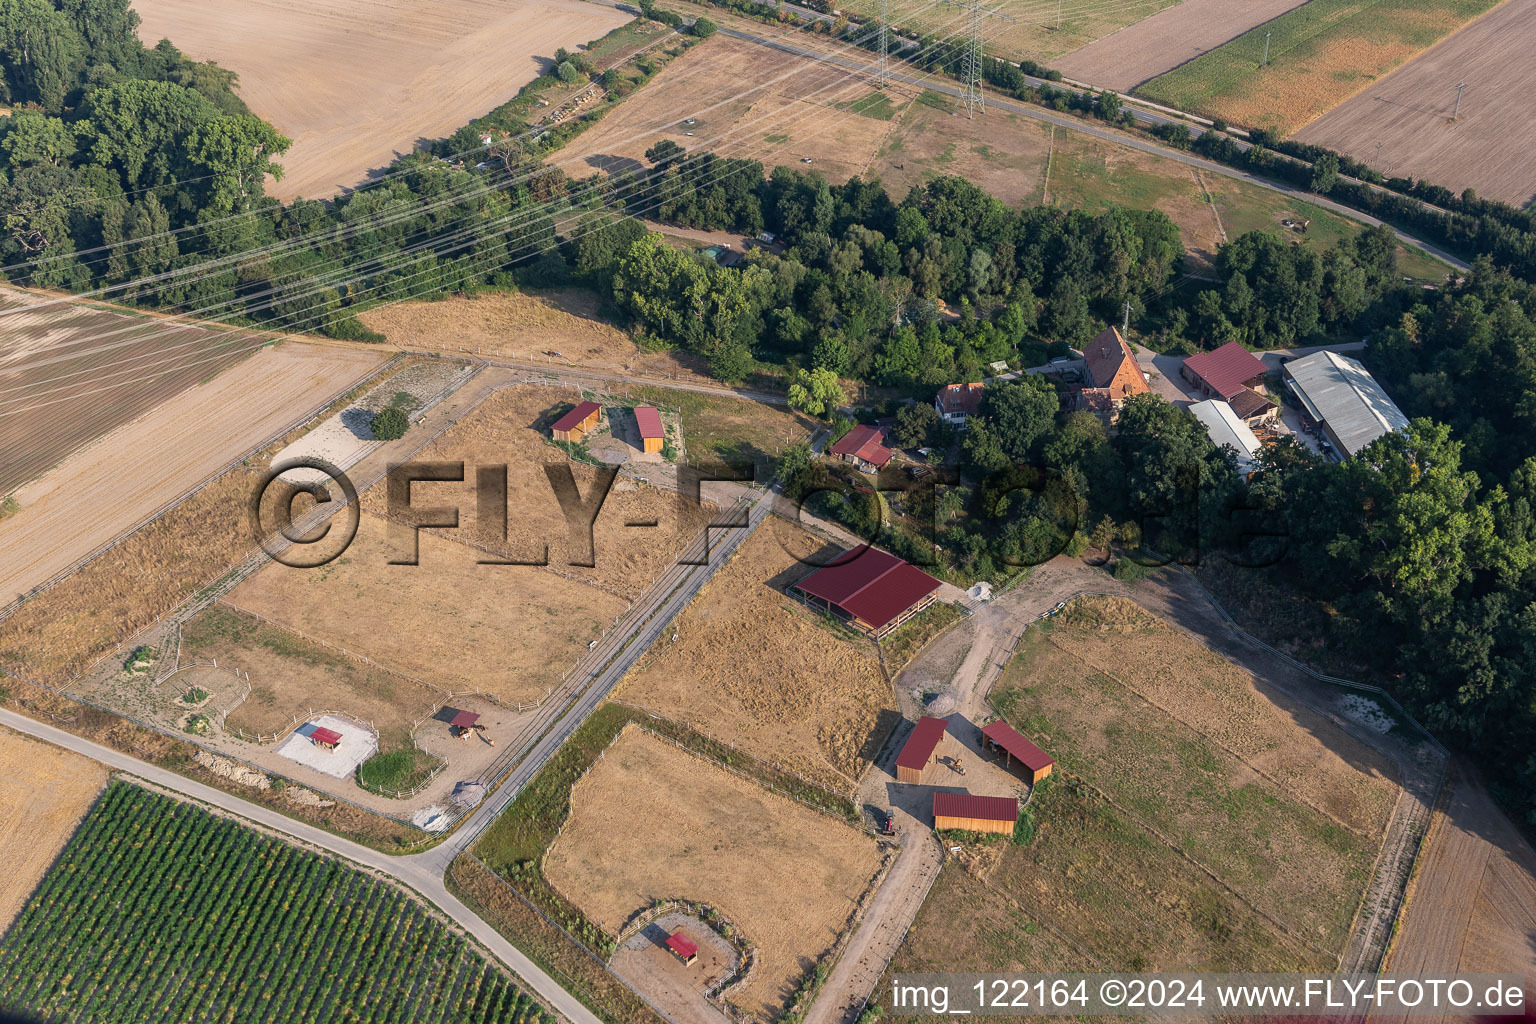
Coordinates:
(44,793)
(140,466)
(1130,56)
(509,630)
(789,114)
(357,85)
(652,822)
(1402,124)
(753,666)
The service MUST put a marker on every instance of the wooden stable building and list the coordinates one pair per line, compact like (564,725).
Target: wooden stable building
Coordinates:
(975,813)
(1000,736)
(648,419)
(682,947)
(869,589)
(577,423)
(918,752)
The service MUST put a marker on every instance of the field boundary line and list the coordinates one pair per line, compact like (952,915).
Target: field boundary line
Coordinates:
(81,562)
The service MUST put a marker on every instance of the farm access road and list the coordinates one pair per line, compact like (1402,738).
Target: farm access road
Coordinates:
(1146,116)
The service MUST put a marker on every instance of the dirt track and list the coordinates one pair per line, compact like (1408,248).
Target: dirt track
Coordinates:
(357,84)
(130,473)
(1401,125)
(1124,59)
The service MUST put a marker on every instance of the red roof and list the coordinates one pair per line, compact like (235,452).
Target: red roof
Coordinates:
(863,442)
(1007,737)
(922,743)
(1109,357)
(649,421)
(575,416)
(964,805)
(465,719)
(682,945)
(324,735)
(964,398)
(869,584)
(1226,369)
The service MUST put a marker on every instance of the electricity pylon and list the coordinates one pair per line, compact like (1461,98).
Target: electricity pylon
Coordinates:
(885,72)
(975,57)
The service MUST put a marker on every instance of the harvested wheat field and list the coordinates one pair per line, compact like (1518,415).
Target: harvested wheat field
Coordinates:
(652,822)
(44,792)
(290,675)
(91,498)
(1320,54)
(511,428)
(1402,124)
(509,630)
(563,327)
(1124,59)
(356,85)
(753,666)
(793,109)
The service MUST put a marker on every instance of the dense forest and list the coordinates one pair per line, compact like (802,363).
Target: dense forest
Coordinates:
(136,174)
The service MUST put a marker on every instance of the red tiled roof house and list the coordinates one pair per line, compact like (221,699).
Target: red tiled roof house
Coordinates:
(863,446)
(1113,373)
(957,402)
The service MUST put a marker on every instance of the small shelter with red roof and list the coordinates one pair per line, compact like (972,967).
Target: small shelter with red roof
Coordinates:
(577,423)
(649,421)
(319,735)
(975,813)
(918,751)
(1004,737)
(864,447)
(684,948)
(869,589)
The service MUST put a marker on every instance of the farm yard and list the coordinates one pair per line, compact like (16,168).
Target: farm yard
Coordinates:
(279,933)
(1161,42)
(652,822)
(741,668)
(1320,54)
(1197,818)
(1401,125)
(172,447)
(356,86)
(44,793)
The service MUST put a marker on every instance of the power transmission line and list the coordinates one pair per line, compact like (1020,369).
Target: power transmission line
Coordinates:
(975,56)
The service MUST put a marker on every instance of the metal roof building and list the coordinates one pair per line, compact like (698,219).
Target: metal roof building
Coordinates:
(652,436)
(574,425)
(1344,399)
(1008,739)
(975,813)
(1225,371)
(1225,427)
(871,590)
(918,750)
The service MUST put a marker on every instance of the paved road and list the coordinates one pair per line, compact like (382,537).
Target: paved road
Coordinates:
(1076,124)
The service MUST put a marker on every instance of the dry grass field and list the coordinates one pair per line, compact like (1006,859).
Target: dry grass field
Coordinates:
(650,822)
(1320,54)
(44,793)
(508,630)
(1402,124)
(752,666)
(129,474)
(790,111)
(357,84)
(1160,43)
(71,372)
(1197,820)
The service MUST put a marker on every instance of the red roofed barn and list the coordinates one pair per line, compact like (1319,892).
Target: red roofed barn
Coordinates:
(1002,736)
(863,447)
(684,948)
(1232,374)
(577,423)
(975,813)
(919,748)
(871,590)
(649,421)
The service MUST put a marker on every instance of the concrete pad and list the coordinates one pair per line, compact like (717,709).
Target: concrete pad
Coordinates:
(357,745)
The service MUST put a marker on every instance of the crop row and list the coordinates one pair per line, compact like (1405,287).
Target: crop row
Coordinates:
(161,911)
